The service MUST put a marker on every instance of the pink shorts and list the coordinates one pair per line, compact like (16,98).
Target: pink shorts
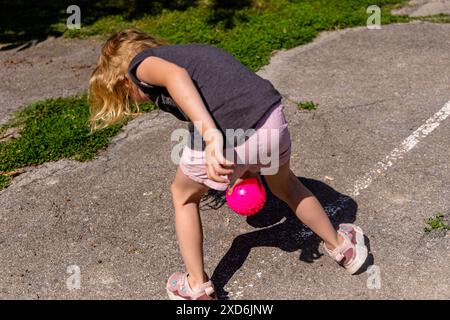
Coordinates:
(267,149)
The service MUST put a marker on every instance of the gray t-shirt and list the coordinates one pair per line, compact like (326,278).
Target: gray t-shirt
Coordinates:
(236,97)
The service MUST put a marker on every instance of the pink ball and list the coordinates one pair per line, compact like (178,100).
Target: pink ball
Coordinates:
(248,197)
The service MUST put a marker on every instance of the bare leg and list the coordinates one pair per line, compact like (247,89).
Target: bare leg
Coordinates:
(286,186)
(186,195)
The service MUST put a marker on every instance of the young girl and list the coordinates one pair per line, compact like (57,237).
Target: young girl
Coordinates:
(214,92)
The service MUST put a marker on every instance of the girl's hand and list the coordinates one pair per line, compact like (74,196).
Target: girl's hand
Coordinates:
(246,175)
(217,166)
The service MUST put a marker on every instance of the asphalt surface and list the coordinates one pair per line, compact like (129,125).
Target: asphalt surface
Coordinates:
(424,8)
(113,218)
(52,68)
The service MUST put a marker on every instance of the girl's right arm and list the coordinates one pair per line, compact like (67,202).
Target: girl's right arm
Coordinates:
(159,72)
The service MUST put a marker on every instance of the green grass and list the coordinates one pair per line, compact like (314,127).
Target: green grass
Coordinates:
(436,223)
(57,128)
(53,129)
(440,18)
(4,181)
(251,34)
(307,105)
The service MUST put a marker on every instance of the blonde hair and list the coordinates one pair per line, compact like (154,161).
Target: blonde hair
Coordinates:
(109,98)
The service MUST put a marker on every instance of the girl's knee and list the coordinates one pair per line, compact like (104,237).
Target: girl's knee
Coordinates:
(183,195)
(288,189)
(175,188)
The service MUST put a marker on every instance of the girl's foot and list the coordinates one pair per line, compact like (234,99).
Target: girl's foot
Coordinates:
(178,288)
(352,252)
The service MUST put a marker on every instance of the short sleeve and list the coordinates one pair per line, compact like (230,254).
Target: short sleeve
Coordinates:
(134,64)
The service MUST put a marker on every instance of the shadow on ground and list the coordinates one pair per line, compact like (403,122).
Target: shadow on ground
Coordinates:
(23,25)
(281,229)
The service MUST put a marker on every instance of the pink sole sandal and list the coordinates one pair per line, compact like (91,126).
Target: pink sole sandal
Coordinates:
(178,288)
(352,252)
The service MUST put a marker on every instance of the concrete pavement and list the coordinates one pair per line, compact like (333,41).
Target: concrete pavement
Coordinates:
(112,217)
(423,8)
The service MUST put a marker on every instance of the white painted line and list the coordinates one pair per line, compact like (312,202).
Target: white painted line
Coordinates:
(406,146)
